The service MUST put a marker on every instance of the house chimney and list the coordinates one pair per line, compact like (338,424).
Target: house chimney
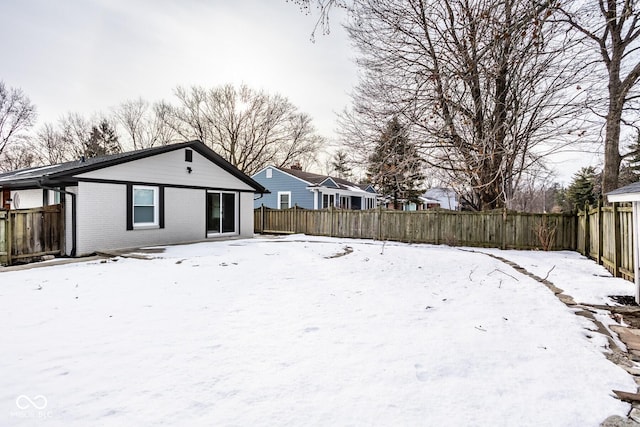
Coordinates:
(296,166)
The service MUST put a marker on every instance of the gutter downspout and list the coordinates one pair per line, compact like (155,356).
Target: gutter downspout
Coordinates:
(73,214)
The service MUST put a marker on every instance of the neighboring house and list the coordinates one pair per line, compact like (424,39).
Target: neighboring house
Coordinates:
(294,187)
(445,197)
(424,203)
(162,195)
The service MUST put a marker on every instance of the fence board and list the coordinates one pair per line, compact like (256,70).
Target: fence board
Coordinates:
(30,233)
(600,232)
(485,229)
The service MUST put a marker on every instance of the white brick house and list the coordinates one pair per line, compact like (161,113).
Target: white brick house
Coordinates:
(162,195)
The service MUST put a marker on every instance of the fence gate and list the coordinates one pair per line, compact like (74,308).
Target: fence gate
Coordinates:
(31,233)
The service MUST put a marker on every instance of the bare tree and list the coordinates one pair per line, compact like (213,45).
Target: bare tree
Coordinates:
(17,156)
(612,27)
(48,145)
(74,131)
(144,124)
(17,115)
(534,192)
(74,137)
(323,8)
(249,128)
(485,85)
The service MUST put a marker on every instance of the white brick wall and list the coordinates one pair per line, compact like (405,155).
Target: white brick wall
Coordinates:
(102,218)
(246,214)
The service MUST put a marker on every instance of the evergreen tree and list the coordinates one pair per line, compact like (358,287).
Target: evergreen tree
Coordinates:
(103,140)
(582,189)
(395,166)
(630,168)
(340,165)
(561,201)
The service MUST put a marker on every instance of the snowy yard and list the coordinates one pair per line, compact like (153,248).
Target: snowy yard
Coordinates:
(281,332)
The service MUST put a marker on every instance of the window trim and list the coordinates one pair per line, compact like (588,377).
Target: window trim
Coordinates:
(282,193)
(236,214)
(158,205)
(330,200)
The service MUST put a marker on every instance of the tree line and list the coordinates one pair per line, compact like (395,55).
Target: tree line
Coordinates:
(487,90)
(247,127)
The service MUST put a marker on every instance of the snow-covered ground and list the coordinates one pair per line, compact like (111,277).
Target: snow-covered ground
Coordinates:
(279,332)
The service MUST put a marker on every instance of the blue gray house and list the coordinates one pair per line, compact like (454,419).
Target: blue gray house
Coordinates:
(294,187)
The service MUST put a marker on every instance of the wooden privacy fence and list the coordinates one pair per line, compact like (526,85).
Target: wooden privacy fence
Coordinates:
(498,229)
(31,233)
(605,234)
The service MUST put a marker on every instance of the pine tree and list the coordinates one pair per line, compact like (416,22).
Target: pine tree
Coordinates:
(340,165)
(630,168)
(581,191)
(395,167)
(103,140)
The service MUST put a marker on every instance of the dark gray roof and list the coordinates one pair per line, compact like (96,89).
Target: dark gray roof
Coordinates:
(316,179)
(631,188)
(64,172)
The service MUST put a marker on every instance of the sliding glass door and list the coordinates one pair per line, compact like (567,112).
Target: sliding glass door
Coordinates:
(221,212)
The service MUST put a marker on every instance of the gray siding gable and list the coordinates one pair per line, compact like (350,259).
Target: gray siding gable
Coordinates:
(281,181)
(370,189)
(329,183)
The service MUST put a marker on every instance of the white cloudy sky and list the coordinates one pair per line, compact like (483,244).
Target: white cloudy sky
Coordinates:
(89,55)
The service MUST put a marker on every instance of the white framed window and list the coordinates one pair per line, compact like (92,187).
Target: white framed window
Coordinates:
(370,203)
(145,206)
(284,199)
(269,173)
(328,200)
(345,202)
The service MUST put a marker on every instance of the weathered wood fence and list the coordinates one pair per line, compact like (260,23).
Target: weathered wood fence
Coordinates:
(605,234)
(31,233)
(498,229)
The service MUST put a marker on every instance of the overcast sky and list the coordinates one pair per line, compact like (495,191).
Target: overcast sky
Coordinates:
(87,56)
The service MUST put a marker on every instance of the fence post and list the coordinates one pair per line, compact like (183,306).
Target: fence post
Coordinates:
(330,221)
(587,231)
(616,241)
(9,236)
(600,231)
(504,228)
(262,218)
(437,214)
(380,222)
(295,218)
